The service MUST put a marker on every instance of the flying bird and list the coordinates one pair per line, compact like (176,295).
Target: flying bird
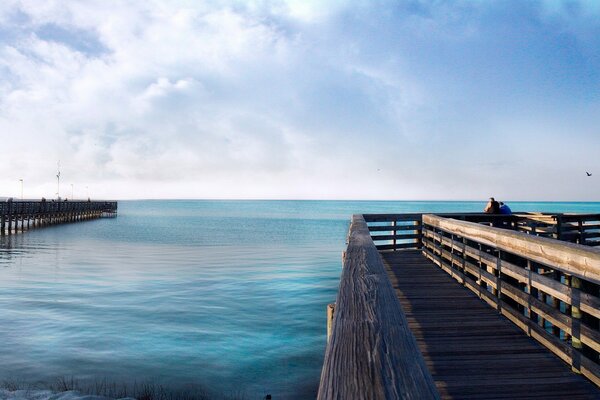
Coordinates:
(588,174)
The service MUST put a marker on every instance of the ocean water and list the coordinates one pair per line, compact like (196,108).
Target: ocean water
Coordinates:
(226,295)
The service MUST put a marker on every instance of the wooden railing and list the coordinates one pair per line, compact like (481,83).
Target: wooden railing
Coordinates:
(401,231)
(42,207)
(371,353)
(580,228)
(18,216)
(549,288)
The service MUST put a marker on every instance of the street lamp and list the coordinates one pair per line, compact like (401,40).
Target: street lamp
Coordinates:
(71,191)
(58,182)
(21,180)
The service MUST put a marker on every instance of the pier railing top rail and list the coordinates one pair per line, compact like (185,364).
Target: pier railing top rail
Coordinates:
(371,351)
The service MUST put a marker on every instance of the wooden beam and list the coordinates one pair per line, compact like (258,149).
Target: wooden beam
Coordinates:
(371,353)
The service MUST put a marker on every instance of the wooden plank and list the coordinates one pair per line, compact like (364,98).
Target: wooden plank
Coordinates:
(391,217)
(473,352)
(397,237)
(389,228)
(371,352)
(412,245)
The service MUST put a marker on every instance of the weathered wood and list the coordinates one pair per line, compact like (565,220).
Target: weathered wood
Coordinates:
(389,228)
(471,350)
(578,260)
(588,303)
(330,313)
(411,245)
(391,217)
(18,214)
(451,255)
(397,237)
(371,353)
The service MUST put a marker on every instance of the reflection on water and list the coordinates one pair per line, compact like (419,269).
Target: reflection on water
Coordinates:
(229,295)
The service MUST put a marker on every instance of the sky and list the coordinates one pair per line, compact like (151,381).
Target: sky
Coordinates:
(389,100)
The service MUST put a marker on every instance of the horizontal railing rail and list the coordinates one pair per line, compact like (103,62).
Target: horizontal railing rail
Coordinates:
(549,288)
(371,352)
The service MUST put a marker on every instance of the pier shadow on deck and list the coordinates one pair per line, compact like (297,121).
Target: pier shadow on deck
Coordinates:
(471,350)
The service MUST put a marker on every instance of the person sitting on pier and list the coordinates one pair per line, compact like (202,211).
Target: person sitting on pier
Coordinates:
(492,207)
(504,209)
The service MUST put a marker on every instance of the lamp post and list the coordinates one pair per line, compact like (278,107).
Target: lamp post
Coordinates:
(21,180)
(87,192)
(71,191)
(58,182)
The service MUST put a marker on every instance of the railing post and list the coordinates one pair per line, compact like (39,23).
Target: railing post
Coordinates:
(419,225)
(576,324)
(581,232)
(532,293)
(330,312)
(556,305)
(559,226)
(394,232)
(499,281)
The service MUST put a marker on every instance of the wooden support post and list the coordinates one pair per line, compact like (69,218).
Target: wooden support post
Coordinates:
(576,325)
(2,225)
(556,305)
(394,232)
(330,312)
(498,292)
(533,292)
(559,227)
(567,305)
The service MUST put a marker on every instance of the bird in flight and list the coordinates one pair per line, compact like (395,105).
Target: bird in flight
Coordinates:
(588,174)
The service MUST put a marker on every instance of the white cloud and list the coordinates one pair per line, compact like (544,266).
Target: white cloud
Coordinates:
(284,99)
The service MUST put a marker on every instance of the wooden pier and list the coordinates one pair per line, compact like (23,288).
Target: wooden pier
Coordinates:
(466,306)
(18,216)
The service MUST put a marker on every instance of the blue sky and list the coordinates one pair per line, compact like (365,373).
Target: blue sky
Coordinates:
(301,99)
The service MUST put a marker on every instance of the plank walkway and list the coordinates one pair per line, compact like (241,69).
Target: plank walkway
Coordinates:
(472,351)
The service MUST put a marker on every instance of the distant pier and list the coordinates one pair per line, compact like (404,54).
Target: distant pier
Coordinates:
(18,216)
(466,306)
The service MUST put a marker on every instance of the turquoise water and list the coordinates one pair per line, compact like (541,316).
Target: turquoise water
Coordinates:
(228,295)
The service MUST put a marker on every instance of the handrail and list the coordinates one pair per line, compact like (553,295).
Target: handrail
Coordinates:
(577,260)
(371,353)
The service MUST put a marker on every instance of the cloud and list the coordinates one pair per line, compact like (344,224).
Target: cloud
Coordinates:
(291,99)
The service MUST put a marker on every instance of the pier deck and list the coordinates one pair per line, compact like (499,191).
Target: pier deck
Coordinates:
(18,215)
(466,306)
(475,353)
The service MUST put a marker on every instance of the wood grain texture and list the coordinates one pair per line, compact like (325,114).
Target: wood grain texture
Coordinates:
(455,265)
(371,352)
(578,260)
(472,351)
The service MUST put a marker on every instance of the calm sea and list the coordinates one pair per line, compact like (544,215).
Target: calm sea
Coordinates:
(229,295)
